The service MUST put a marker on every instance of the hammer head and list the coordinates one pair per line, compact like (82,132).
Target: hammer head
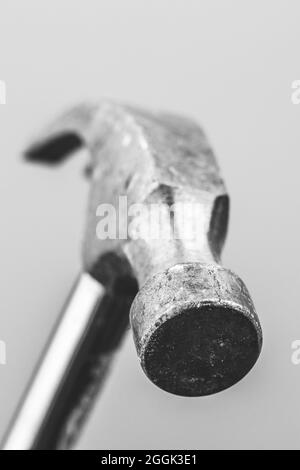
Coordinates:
(195,327)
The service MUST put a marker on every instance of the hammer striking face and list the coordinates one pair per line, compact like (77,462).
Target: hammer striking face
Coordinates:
(194,324)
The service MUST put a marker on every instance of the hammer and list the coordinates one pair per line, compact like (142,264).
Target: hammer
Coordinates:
(194,325)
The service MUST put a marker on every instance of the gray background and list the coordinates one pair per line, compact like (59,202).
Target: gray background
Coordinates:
(229,64)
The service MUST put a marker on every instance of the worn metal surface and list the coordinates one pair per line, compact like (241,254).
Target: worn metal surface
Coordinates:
(196,329)
(150,158)
(155,159)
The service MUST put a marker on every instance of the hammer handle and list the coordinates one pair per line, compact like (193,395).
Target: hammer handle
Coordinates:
(72,369)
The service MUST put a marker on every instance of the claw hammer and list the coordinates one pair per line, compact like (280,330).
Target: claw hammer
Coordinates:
(195,328)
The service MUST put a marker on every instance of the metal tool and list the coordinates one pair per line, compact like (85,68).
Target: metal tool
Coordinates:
(194,325)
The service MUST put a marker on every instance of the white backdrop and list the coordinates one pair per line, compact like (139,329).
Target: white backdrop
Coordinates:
(229,64)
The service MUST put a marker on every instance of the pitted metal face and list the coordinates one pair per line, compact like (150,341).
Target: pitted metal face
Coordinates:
(196,329)
(194,325)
